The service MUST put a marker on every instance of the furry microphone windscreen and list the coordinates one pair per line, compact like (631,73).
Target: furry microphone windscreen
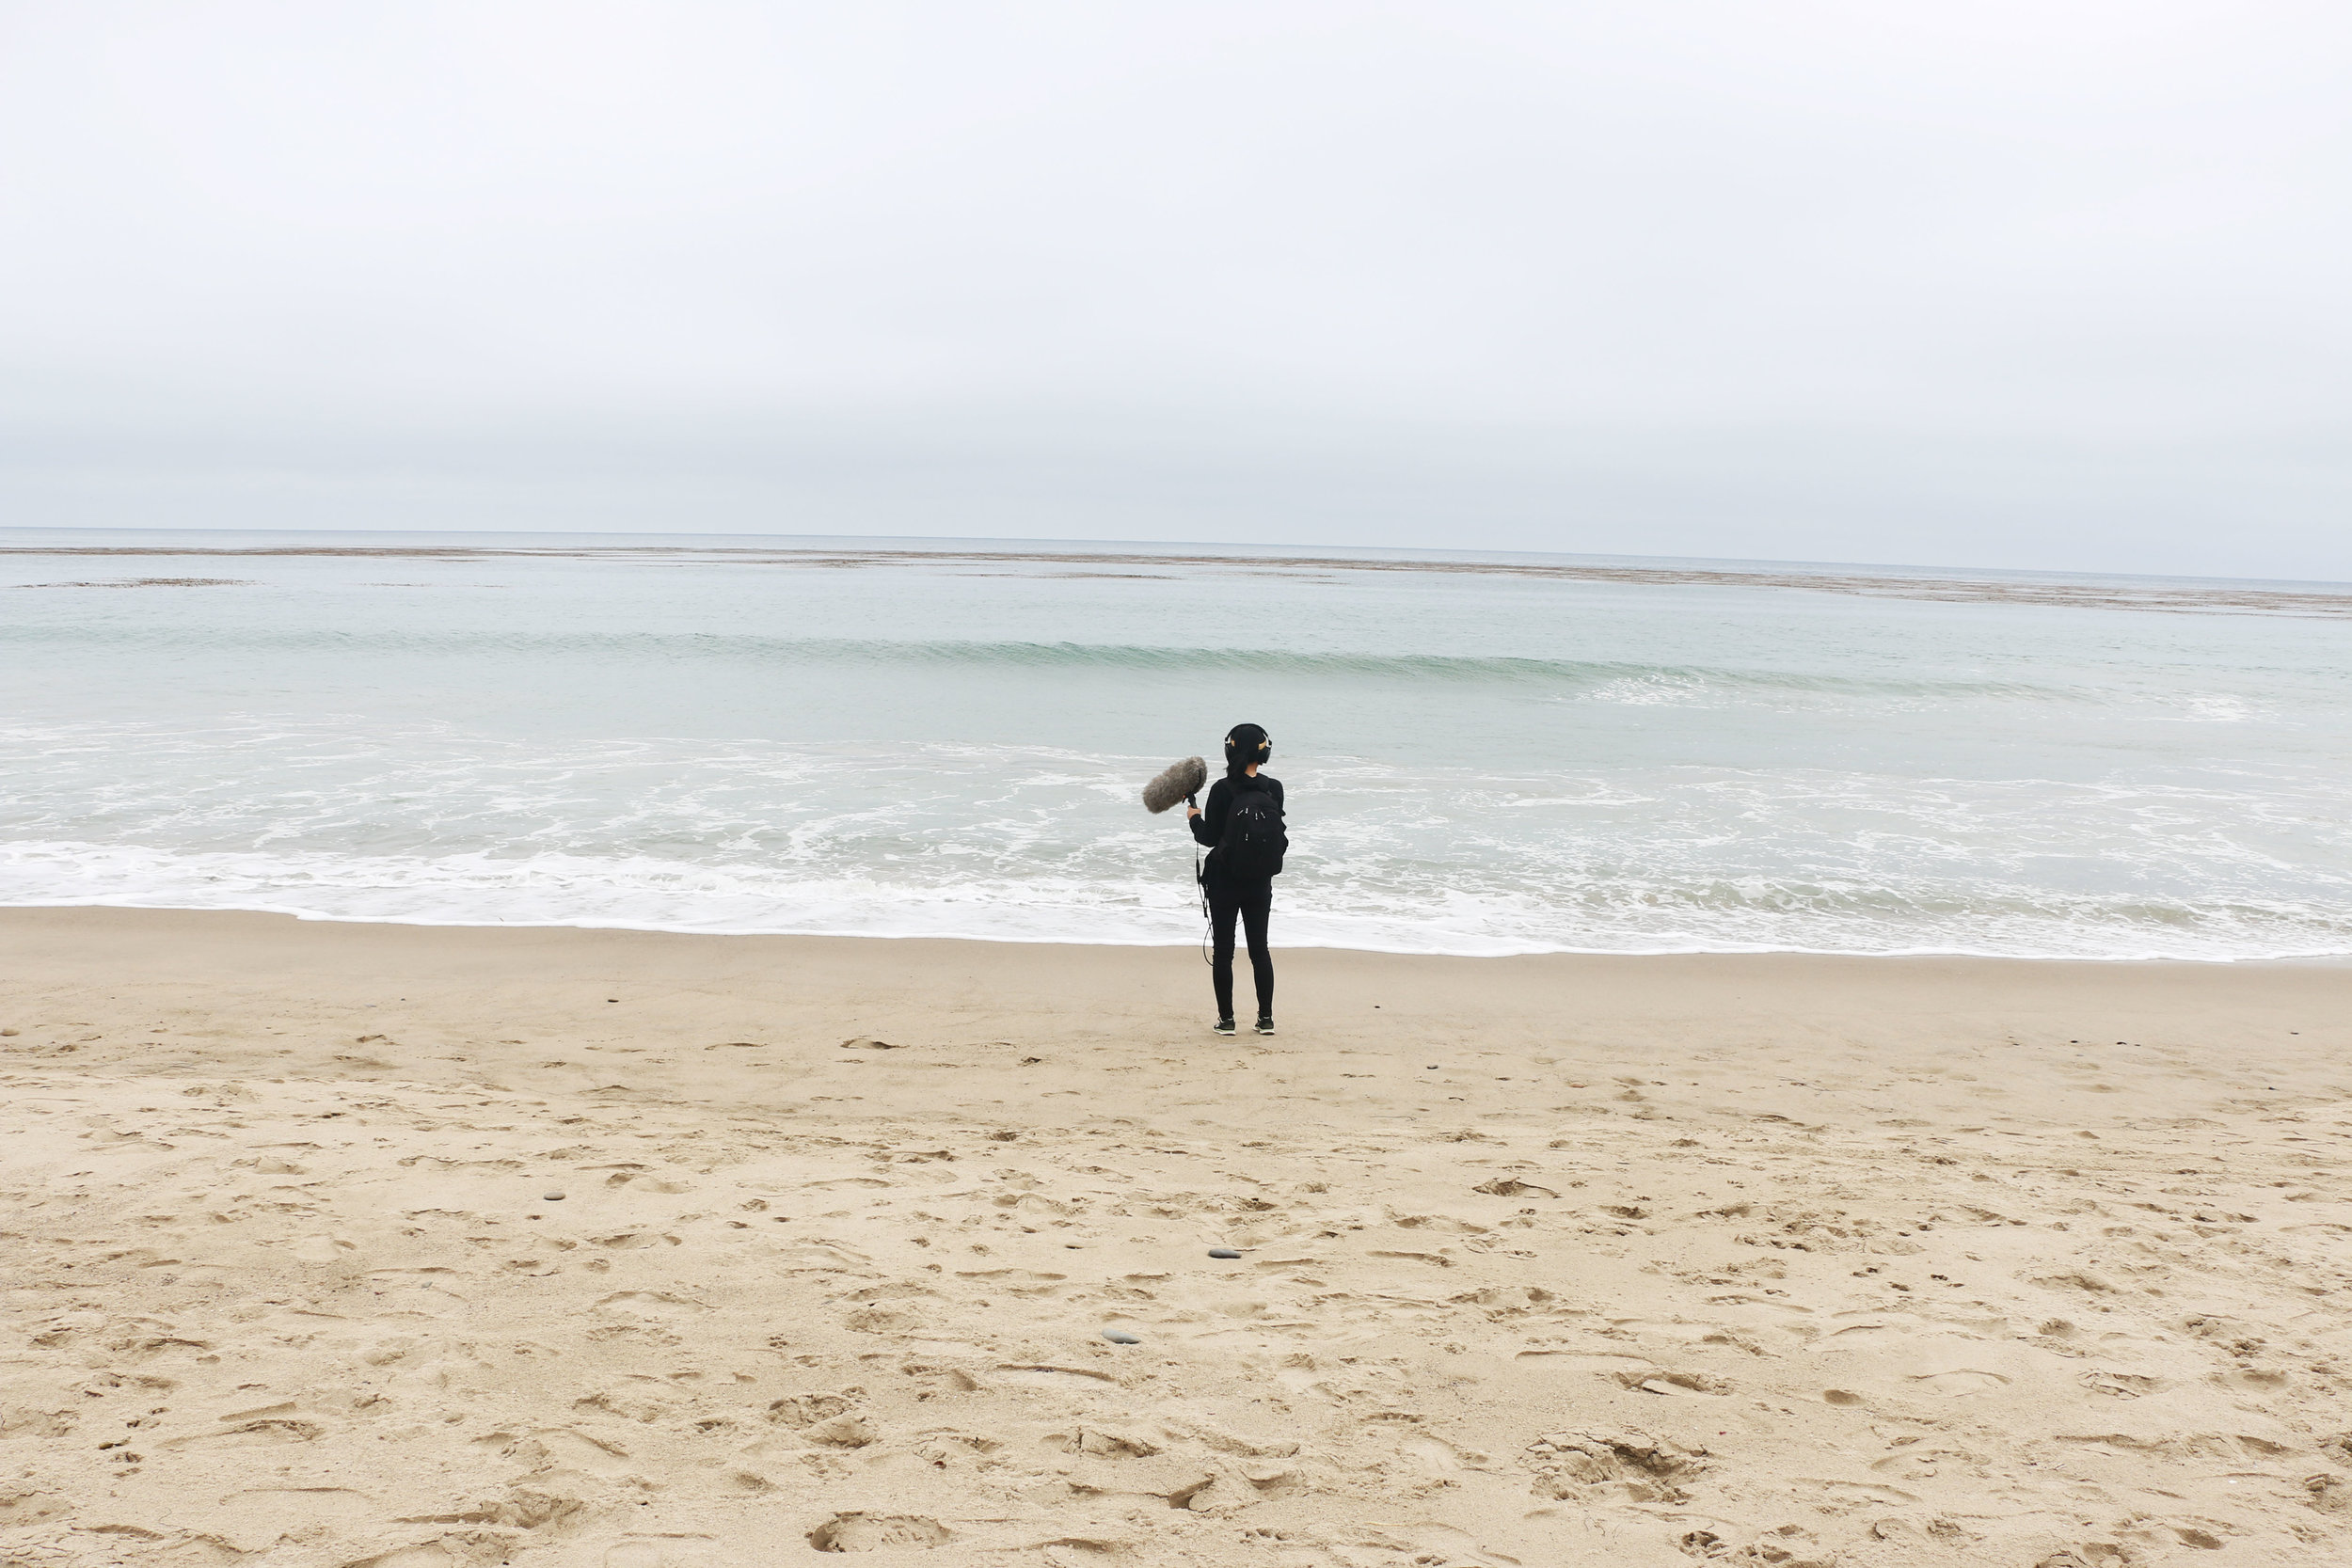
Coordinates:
(1180,780)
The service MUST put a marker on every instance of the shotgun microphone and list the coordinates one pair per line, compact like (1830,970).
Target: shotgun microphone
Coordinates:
(1177,781)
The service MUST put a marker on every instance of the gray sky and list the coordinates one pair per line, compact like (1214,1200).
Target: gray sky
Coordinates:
(2046,284)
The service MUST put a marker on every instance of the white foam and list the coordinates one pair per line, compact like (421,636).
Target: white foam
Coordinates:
(645,893)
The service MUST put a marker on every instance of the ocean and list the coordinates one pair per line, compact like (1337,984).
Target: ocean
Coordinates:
(1483,754)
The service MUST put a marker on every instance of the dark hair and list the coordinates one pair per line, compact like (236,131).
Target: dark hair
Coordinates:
(1245,745)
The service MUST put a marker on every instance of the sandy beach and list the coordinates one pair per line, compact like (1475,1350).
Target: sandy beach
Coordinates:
(346,1244)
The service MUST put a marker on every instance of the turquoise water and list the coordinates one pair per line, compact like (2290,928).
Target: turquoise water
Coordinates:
(827,737)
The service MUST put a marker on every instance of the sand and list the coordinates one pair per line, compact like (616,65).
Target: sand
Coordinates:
(1552,1261)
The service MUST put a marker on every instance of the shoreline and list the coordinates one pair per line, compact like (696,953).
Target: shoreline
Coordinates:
(1896,954)
(342,1242)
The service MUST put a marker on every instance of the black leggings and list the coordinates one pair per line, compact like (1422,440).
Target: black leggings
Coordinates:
(1254,904)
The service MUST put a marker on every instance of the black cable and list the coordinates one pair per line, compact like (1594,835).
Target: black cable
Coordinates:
(1207,921)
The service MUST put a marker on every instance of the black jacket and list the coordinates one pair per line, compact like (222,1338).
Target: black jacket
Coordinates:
(1209,826)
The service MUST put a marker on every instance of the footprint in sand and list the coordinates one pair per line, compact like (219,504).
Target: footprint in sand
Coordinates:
(1439,1457)
(648,1183)
(553,1449)
(266,1512)
(874,1532)
(631,1241)
(269,1426)
(1567,1465)
(1651,1381)
(430,1555)
(1961,1382)
(805,1410)
(842,1432)
(1103,1444)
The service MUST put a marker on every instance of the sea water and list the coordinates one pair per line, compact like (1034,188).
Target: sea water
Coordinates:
(1483,754)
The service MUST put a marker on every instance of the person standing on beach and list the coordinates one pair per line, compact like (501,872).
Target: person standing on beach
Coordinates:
(1242,826)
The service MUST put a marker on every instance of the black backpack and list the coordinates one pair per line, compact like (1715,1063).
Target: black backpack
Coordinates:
(1253,843)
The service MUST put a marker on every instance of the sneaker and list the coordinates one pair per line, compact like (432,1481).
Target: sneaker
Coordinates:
(1223,1026)
(1266,1023)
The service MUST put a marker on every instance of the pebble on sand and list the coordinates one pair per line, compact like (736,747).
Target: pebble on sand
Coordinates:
(551,1197)
(1223,1252)
(1120,1337)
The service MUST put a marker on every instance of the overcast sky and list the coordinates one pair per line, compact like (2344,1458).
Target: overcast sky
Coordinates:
(2049,284)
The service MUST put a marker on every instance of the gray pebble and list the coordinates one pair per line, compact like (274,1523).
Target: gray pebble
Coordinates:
(551,1197)
(1120,1337)
(1223,1252)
